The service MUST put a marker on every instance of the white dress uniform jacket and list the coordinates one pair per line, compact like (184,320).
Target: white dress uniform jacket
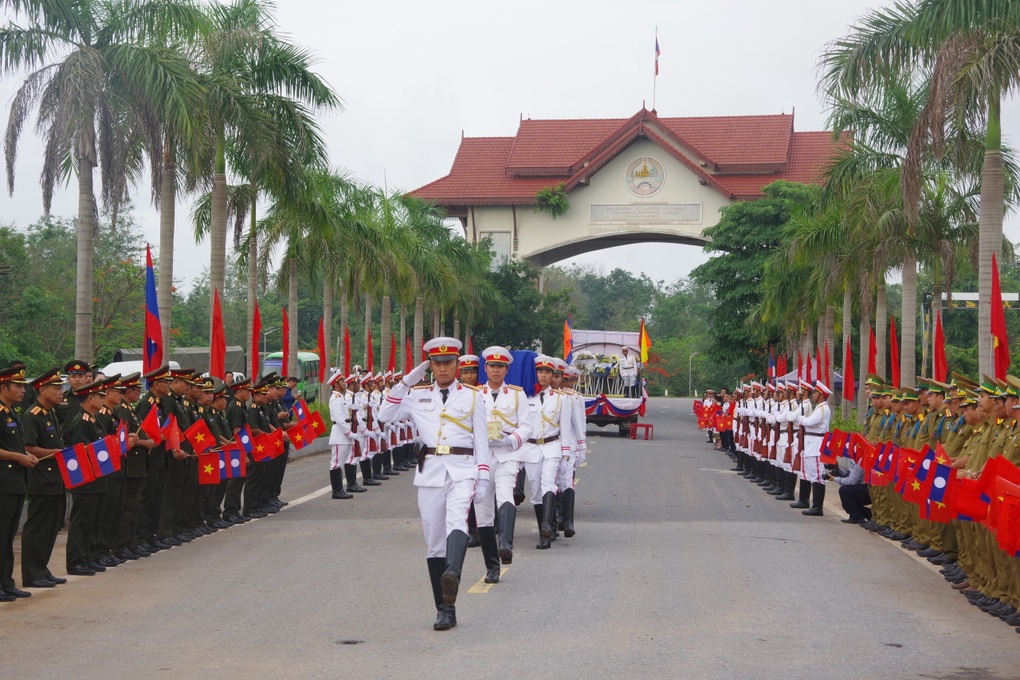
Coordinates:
(509,406)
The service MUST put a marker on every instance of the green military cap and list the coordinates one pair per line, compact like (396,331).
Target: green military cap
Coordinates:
(1012,386)
(938,387)
(970,398)
(221,391)
(113,383)
(896,393)
(161,373)
(874,380)
(13,375)
(207,384)
(963,381)
(988,384)
(50,377)
(241,385)
(131,380)
(909,393)
(94,387)
(922,383)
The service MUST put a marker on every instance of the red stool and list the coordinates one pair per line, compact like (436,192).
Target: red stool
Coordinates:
(648,428)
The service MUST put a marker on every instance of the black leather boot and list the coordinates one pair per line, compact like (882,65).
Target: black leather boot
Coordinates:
(446,615)
(545,527)
(472,523)
(388,466)
(759,472)
(803,494)
(789,484)
(377,464)
(456,548)
(543,542)
(519,488)
(567,505)
(490,553)
(351,472)
(336,480)
(506,517)
(817,498)
(366,473)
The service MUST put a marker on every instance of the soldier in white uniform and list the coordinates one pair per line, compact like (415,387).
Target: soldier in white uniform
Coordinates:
(508,427)
(341,439)
(628,366)
(453,466)
(579,426)
(804,408)
(552,439)
(816,426)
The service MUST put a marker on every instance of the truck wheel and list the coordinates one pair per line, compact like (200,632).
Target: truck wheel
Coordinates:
(625,430)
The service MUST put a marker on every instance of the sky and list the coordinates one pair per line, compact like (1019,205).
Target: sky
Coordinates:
(414,76)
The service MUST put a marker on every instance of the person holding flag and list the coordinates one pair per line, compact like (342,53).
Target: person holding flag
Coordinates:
(114,505)
(216,419)
(237,418)
(87,500)
(13,475)
(135,466)
(47,501)
(153,409)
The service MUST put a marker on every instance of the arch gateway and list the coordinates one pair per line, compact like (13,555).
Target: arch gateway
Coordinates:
(637,180)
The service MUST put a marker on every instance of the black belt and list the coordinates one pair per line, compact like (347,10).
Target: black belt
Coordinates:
(449,450)
(816,434)
(544,440)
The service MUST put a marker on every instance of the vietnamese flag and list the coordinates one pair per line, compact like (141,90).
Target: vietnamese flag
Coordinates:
(173,434)
(200,436)
(275,442)
(317,424)
(894,353)
(940,366)
(218,343)
(917,486)
(209,468)
(74,467)
(323,356)
(152,427)
(261,448)
(1000,342)
(300,437)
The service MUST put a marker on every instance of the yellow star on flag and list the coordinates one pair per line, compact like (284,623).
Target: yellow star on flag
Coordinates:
(199,437)
(208,469)
(941,505)
(916,485)
(297,437)
(259,448)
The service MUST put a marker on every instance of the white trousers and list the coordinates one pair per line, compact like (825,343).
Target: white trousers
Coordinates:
(504,480)
(444,509)
(565,475)
(811,468)
(485,508)
(340,455)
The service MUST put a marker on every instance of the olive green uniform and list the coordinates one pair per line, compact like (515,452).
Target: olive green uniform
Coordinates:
(13,487)
(47,498)
(87,500)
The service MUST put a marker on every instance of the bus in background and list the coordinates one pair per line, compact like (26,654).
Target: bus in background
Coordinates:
(307,372)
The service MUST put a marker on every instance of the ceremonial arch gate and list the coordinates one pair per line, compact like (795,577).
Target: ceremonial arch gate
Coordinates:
(637,180)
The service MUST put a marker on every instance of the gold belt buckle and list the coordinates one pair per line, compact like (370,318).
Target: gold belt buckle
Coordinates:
(540,441)
(442,450)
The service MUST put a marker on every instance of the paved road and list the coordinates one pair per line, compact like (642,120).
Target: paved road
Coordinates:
(680,569)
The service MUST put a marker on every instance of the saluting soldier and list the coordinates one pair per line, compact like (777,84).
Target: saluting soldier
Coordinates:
(237,418)
(135,465)
(87,500)
(47,500)
(157,397)
(14,466)
(453,466)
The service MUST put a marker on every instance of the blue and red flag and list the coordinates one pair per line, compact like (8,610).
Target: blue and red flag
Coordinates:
(233,463)
(103,460)
(939,494)
(244,439)
(74,466)
(568,341)
(772,366)
(658,53)
(152,358)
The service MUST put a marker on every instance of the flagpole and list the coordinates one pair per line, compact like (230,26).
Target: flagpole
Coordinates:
(655,78)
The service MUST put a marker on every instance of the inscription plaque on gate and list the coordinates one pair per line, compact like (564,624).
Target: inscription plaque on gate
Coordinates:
(647,214)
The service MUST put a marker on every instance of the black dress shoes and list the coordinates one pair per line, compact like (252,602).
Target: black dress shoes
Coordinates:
(39,583)
(17,592)
(81,570)
(851,520)
(57,580)
(4,597)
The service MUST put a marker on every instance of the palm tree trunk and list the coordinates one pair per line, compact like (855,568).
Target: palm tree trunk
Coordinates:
(990,230)
(327,327)
(343,358)
(436,319)
(908,346)
(847,320)
(253,287)
(384,333)
(862,370)
(402,341)
(830,332)
(881,329)
(167,227)
(456,327)
(292,313)
(467,336)
(419,329)
(368,328)
(86,233)
(218,234)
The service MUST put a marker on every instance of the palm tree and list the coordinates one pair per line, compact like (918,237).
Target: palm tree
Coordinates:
(94,77)
(972,50)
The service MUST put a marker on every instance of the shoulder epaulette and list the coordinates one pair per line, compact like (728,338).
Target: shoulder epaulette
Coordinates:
(476,388)
(3,408)
(516,387)
(86,417)
(36,410)
(422,387)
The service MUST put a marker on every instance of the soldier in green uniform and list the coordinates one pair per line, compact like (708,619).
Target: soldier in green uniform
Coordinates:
(170,531)
(215,419)
(78,373)
(47,500)
(135,467)
(237,417)
(279,416)
(151,499)
(14,466)
(189,513)
(86,500)
(114,505)
(258,486)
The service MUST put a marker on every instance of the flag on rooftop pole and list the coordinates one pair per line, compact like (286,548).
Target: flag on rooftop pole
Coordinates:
(152,358)
(658,52)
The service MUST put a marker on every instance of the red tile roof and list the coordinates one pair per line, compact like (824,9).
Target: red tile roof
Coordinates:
(736,155)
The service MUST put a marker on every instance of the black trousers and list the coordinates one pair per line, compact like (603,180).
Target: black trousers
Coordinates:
(856,499)
(173,489)
(83,531)
(109,523)
(232,496)
(127,531)
(254,487)
(151,501)
(11,506)
(45,517)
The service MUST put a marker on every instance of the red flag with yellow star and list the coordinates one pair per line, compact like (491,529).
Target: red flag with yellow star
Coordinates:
(209,468)
(200,437)
(275,440)
(262,447)
(301,435)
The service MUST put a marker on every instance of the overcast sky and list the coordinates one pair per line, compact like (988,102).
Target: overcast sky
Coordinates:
(414,75)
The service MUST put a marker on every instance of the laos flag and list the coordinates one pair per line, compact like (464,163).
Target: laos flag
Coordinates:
(102,458)
(153,345)
(74,466)
(233,462)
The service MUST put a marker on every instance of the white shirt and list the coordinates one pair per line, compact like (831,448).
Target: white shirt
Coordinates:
(510,408)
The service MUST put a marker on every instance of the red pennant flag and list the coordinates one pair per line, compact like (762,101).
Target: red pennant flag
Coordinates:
(894,353)
(173,435)
(285,363)
(818,366)
(323,357)
(872,351)
(317,424)
(807,368)
(218,342)
(391,365)
(152,427)
(471,347)
(849,388)
(347,351)
(253,351)
(209,468)
(200,437)
(409,359)
(369,359)
(825,372)
(1000,342)
(262,447)
(940,368)
(800,366)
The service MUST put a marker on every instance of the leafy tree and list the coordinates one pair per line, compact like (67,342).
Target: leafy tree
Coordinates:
(529,318)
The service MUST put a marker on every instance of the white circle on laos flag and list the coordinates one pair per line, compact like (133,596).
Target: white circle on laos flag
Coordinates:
(235,463)
(222,464)
(940,482)
(926,464)
(244,438)
(103,456)
(72,465)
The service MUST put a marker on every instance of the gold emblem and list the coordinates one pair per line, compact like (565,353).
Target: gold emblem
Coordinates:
(442,348)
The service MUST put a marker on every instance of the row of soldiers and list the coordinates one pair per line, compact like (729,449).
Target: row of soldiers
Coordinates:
(973,423)
(153,501)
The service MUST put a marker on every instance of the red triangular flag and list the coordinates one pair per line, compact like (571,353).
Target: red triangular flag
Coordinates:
(940,368)
(872,351)
(369,359)
(848,373)
(253,351)
(894,353)
(347,351)
(218,343)
(1000,342)
(323,356)
(391,365)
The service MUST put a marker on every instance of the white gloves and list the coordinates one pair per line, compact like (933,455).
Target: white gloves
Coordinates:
(415,375)
(504,442)
(481,486)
